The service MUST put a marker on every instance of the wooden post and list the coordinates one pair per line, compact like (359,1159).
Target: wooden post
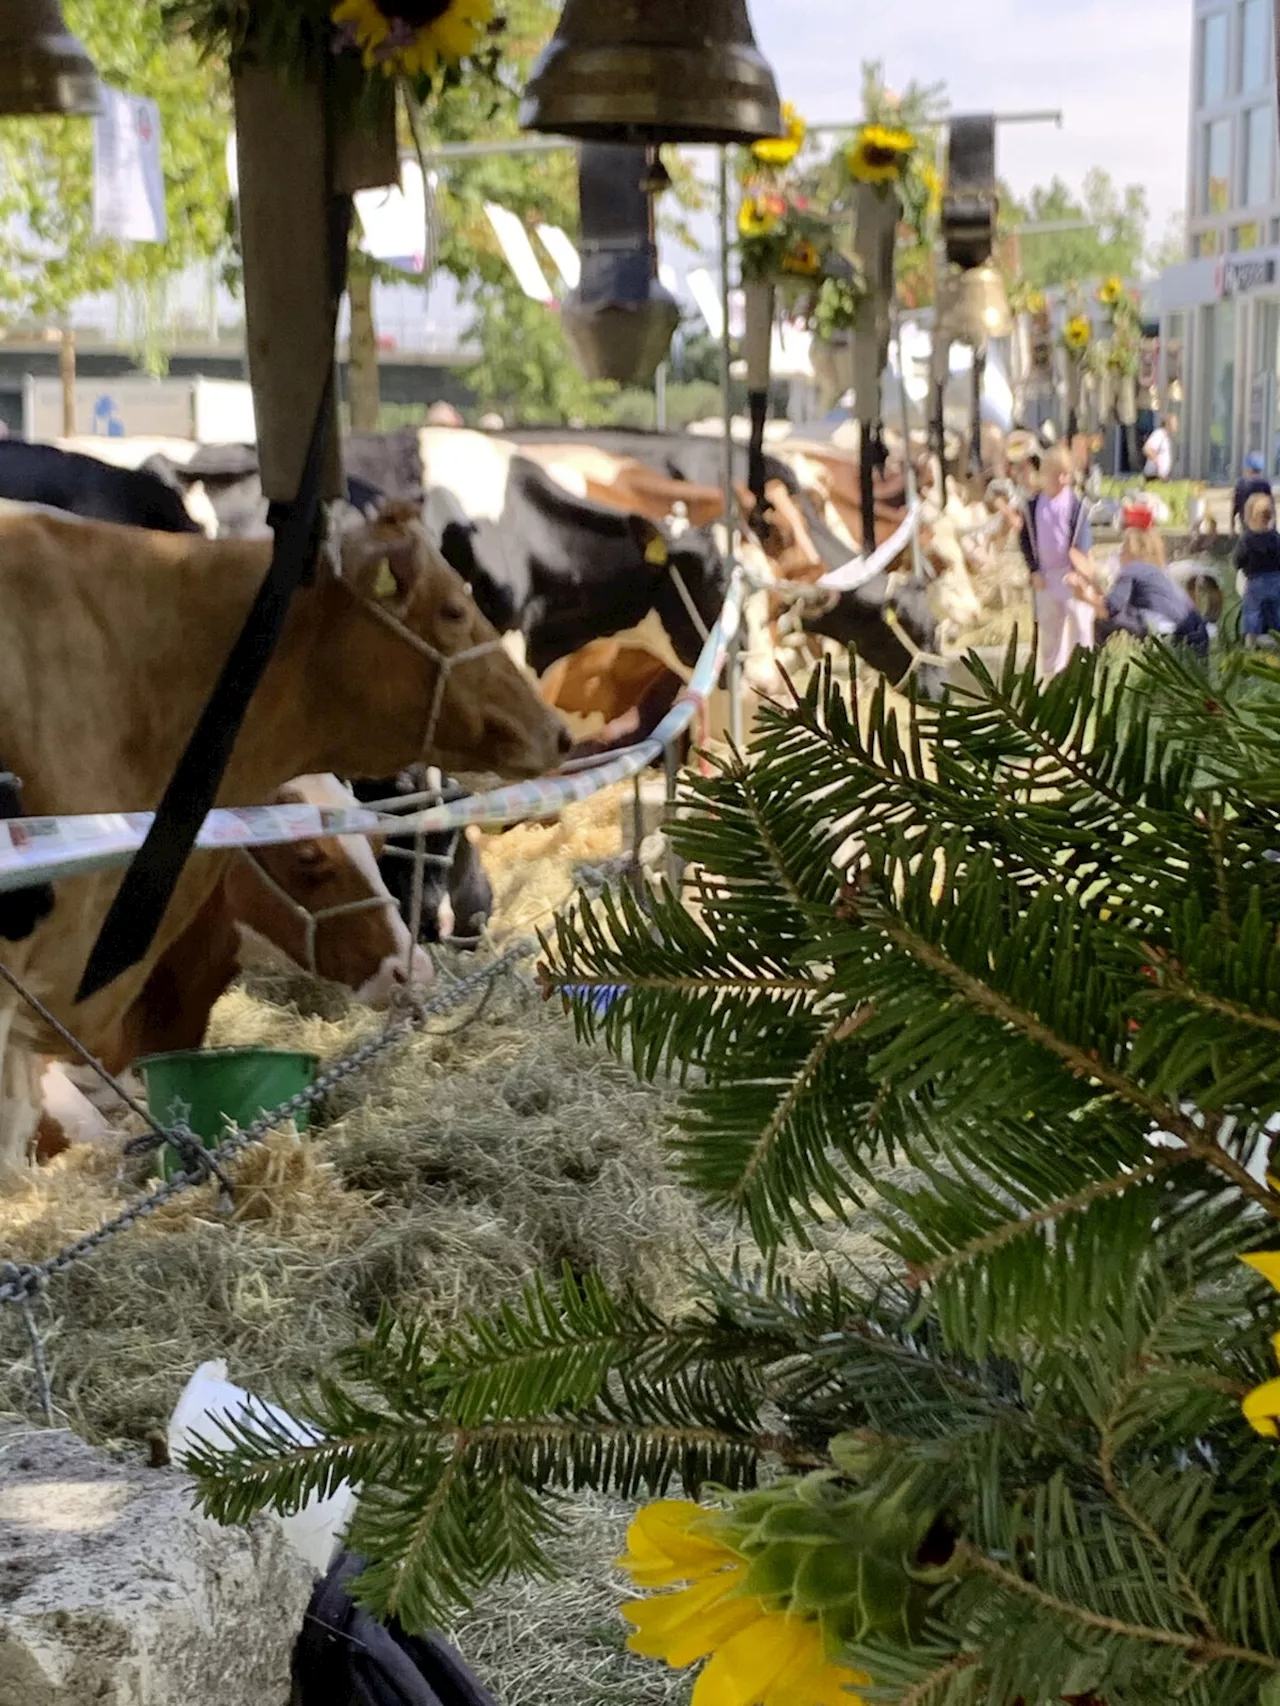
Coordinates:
(67,373)
(362,351)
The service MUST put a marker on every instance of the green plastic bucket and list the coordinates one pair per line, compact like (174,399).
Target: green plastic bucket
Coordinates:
(208,1087)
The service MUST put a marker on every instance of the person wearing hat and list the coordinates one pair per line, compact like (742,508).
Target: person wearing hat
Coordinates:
(1254,483)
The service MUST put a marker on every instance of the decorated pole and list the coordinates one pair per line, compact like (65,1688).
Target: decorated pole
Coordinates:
(876,211)
(315,114)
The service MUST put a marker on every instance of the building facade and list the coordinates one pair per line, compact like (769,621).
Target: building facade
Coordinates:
(1220,311)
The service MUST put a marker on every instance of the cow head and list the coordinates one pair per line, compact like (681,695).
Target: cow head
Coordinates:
(399,619)
(693,554)
(323,902)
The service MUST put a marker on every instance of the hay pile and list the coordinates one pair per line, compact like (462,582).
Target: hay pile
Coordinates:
(451,1171)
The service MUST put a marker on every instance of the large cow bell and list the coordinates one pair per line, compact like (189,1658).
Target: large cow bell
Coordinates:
(43,68)
(653,71)
(973,307)
(619,322)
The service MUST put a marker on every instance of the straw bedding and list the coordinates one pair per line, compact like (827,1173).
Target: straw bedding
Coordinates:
(455,1167)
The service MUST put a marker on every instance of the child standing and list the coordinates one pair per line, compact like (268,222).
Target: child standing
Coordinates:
(1258,560)
(1056,542)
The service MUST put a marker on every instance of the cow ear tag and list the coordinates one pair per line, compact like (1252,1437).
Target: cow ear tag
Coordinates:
(385,586)
(655,552)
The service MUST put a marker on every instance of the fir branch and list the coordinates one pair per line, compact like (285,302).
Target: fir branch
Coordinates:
(1197,1647)
(760,1151)
(1165,1115)
(925,1690)
(929,1273)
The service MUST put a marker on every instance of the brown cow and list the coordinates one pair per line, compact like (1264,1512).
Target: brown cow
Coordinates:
(110,641)
(323,903)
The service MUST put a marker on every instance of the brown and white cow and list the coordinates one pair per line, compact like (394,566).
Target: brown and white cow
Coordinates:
(110,641)
(322,903)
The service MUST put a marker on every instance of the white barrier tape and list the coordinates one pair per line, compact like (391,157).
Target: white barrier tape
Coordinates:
(46,849)
(42,849)
(859,570)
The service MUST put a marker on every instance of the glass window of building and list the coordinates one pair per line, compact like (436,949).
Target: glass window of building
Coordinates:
(1259,151)
(1255,45)
(1204,243)
(1215,162)
(1213,58)
(1220,341)
(1247,236)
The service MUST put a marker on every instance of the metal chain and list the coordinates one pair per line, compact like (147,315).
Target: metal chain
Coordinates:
(21,1282)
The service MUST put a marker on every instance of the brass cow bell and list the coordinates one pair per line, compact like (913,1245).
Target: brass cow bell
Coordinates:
(653,71)
(973,307)
(43,68)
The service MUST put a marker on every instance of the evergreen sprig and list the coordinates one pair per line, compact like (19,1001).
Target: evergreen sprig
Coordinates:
(1024,946)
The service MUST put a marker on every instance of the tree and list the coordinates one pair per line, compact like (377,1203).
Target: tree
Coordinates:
(1113,241)
(525,370)
(49,254)
(1008,977)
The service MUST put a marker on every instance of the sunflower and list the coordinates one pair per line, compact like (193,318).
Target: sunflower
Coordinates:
(782,150)
(414,37)
(760,215)
(803,258)
(1111,291)
(1262,1406)
(755,1656)
(1076,334)
(1035,302)
(879,155)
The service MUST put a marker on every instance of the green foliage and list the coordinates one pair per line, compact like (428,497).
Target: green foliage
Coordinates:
(1113,241)
(1024,946)
(525,370)
(49,255)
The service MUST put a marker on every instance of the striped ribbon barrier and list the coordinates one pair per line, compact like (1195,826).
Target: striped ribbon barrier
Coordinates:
(46,849)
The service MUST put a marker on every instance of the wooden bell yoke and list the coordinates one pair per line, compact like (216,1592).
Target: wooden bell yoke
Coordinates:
(304,146)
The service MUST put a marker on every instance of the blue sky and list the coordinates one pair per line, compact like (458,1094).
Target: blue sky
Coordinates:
(1120,72)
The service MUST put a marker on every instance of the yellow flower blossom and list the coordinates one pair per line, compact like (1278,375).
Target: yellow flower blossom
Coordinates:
(444,40)
(802,258)
(759,216)
(755,1656)
(879,155)
(1262,1406)
(782,150)
(1111,291)
(932,180)
(1076,333)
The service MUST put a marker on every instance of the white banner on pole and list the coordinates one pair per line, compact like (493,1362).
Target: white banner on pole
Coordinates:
(128,180)
(394,220)
(514,242)
(562,252)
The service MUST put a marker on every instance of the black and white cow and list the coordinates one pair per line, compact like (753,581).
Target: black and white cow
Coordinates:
(97,491)
(229,478)
(457,897)
(859,617)
(544,561)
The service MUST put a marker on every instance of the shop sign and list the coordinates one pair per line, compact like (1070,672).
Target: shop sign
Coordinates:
(1240,273)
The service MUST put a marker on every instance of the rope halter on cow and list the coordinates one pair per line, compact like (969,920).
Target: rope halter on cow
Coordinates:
(311,921)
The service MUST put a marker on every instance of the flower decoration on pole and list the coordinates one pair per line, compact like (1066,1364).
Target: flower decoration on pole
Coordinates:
(1076,336)
(780,151)
(879,155)
(412,38)
(1111,291)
